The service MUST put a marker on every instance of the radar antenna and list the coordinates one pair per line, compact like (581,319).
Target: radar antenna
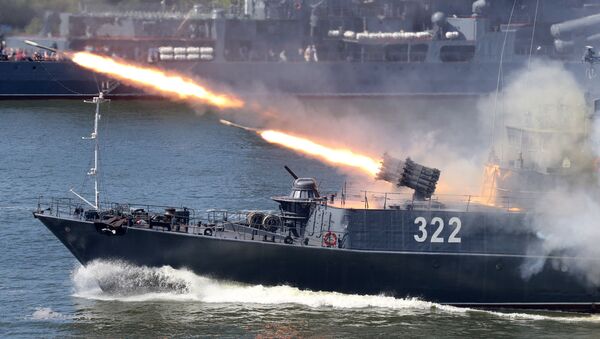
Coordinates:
(94,136)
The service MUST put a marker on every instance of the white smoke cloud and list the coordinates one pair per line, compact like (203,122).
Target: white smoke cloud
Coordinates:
(566,213)
(568,222)
(544,98)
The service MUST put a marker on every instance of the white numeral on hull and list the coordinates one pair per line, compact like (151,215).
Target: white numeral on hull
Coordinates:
(438,222)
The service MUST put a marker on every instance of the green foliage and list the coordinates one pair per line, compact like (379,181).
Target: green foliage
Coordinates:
(15,13)
(28,14)
(34,26)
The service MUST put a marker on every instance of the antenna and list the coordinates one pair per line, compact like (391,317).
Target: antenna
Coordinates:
(94,136)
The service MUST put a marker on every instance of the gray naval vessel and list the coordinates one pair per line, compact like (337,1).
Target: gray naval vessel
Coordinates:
(314,48)
(457,250)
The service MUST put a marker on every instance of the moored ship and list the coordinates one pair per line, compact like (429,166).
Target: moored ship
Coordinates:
(309,49)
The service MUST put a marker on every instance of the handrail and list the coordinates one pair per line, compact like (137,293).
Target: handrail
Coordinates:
(395,200)
(365,199)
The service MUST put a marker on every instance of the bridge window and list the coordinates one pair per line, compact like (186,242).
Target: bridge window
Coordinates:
(457,53)
(406,53)
(373,53)
(418,53)
(397,53)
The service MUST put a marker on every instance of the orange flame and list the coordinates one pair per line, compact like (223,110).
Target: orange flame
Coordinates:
(154,79)
(331,155)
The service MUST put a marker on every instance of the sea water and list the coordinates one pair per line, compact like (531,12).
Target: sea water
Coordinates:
(168,154)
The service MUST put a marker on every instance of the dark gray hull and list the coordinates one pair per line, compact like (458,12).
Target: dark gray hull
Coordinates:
(55,80)
(25,80)
(464,279)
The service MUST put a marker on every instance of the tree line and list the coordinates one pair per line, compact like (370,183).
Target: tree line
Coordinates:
(28,15)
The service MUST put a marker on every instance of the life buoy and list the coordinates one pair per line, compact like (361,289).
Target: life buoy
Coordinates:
(330,239)
(208,232)
(288,240)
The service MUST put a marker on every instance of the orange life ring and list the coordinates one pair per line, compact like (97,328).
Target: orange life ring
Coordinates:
(330,239)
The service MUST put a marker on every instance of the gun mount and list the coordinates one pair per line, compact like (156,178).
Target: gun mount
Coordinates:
(409,174)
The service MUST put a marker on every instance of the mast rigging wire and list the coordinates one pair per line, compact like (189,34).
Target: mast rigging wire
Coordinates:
(500,76)
(537,4)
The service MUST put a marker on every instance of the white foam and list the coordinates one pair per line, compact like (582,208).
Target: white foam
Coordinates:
(557,316)
(46,313)
(16,208)
(129,283)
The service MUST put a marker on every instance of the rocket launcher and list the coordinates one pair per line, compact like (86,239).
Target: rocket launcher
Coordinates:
(35,44)
(409,174)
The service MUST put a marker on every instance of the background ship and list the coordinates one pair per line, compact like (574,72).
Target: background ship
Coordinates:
(374,49)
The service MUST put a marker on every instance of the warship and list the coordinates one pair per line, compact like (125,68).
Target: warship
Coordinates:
(310,48)
(456,250)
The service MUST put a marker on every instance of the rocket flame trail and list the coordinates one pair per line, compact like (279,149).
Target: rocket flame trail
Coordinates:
(166,83)
(154,79)
(303,145)
(332,155)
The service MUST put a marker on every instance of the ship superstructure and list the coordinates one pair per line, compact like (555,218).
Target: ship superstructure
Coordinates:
(329,48)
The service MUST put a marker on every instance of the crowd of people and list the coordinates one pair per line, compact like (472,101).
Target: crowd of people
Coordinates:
(308,54)
(20,54)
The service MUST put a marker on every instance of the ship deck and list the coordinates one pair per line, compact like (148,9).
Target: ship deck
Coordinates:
(372,200)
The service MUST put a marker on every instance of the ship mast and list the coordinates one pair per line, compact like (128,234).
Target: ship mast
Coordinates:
(94,136)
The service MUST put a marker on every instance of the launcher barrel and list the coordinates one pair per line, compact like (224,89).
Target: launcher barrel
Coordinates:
(35,44)
(409,174)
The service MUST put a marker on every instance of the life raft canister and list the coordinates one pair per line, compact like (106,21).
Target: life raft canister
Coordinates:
(330,239)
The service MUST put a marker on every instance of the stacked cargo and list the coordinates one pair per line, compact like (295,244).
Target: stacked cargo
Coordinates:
(192,53)
(383,36)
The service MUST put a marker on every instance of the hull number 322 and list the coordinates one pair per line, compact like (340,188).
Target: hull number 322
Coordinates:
(437,226)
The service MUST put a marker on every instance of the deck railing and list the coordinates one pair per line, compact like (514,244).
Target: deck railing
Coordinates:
(404,200)
(154,217)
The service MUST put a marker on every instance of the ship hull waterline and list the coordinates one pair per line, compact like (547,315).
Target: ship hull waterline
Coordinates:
(379,80)
(465,280)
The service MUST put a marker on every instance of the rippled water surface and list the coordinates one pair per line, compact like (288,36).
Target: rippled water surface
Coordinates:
(165,153)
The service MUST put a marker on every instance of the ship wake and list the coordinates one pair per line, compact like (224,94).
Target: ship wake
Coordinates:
(111,280)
